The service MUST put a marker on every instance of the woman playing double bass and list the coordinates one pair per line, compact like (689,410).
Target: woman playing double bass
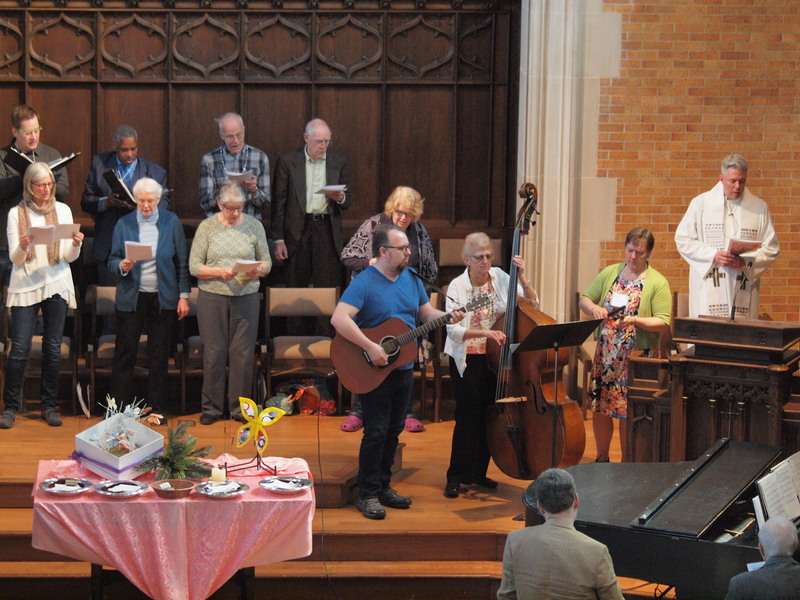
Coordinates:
(473,380)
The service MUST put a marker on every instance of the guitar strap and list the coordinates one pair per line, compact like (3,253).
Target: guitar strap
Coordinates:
(429,284)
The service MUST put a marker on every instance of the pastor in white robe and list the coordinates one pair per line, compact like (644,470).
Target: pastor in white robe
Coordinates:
(709,224)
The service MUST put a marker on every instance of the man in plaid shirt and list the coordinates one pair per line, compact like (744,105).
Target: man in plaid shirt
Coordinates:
(232,160)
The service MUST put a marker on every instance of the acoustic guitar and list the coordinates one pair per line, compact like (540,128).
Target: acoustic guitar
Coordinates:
(353,365)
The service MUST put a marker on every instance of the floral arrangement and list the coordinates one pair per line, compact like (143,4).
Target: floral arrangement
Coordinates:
(117,436)
(181,457)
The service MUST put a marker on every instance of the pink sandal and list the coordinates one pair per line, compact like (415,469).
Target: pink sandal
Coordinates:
(414,425)
(351,423)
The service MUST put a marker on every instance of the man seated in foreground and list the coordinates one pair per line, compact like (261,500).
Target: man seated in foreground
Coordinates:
(779,578)
(553,560)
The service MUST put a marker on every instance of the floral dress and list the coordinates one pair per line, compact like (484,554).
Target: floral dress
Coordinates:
(614,347)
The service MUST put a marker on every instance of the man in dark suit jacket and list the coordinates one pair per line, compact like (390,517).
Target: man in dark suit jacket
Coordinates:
(307,225)
(779,578)
(106,207)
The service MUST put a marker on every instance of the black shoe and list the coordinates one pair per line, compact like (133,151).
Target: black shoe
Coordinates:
(392,499)
(485,482)
(371,508)
(452,490)
(207,419)
(51,417)
(7,419)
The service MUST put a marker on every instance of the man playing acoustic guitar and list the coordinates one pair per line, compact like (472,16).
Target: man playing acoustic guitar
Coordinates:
(383,291)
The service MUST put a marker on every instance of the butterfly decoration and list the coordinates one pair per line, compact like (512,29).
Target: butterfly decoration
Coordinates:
(254,428)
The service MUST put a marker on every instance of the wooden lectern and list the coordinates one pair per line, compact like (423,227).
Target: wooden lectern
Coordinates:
(734,382)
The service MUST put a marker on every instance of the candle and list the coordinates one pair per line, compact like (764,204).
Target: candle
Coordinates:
(218,475)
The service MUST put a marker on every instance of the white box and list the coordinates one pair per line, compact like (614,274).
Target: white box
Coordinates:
(148,442)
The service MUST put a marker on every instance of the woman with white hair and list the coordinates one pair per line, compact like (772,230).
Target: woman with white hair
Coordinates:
(41,280)
(228,303)
(473,380)
(152,294)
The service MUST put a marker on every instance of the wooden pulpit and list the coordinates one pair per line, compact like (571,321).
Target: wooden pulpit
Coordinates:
(734,382)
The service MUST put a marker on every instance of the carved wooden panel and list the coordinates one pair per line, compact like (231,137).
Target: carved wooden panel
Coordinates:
(416,93)
(12,43)
(61,46)
(277,47)
(133,46)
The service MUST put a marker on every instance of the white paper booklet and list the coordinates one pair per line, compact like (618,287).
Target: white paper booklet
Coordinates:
(240,177)
(48,234)
(245,266)
(138,251)
(333,188)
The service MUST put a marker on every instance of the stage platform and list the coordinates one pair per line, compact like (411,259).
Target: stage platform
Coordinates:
(440,549)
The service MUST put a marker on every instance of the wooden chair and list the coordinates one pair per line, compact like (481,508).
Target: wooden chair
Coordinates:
(100,347)
(189,351)
(297,355)
(451,264)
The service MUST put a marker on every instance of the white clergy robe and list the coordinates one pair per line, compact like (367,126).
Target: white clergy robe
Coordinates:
(709,224)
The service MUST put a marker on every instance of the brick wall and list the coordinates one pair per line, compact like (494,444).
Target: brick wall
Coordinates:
(700,79)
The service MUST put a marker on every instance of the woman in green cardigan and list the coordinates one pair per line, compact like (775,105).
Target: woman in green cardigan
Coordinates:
(635,303)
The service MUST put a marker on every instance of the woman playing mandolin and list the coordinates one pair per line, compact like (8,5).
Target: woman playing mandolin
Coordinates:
(635,302)
(466,344)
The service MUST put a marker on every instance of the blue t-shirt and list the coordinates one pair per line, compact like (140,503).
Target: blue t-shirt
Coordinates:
(379,299)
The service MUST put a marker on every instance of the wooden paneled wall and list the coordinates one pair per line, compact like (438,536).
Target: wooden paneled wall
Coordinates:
(416,93)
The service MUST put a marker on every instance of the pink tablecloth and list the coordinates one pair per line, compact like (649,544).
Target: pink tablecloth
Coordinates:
(175,549)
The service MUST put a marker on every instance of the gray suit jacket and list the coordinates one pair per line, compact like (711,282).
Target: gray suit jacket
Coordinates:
(289,199)
(778,579)
(554,561)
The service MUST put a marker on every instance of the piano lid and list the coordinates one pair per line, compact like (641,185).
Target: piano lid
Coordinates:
(705,490)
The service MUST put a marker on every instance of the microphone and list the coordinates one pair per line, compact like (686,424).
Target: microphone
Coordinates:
(736,291)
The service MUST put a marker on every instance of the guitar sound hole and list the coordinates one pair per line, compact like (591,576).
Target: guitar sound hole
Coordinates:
(390,346)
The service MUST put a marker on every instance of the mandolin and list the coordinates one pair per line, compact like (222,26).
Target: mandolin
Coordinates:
(353,365)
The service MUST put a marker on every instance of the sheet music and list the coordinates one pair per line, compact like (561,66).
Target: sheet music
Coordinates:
(240,177)
(338,187)
(138,251)
(245,266)
(778,492)
(48,234)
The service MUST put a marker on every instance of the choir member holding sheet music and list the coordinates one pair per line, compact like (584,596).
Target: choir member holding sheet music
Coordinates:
(41,280)
(25,148)
(228,302)
(107,195)
(148,253)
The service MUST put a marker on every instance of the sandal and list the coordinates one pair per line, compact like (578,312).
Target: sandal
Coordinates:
(414,425)
(351,423)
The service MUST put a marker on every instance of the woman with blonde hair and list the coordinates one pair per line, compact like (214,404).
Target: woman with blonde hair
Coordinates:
(41,280)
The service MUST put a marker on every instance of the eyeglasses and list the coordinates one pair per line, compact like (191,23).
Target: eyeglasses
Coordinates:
(233,136)
(321,142)
(147,201)
(232,209)
(403,249)
(43,186)
(480,257)
(30,131)
(403,215)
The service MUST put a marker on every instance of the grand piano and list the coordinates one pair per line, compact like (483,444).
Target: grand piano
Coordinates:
(687,525)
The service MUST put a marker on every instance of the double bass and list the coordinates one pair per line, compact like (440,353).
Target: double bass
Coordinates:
(530,428)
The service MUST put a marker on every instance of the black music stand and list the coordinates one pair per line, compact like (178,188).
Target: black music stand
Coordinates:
(555,336)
